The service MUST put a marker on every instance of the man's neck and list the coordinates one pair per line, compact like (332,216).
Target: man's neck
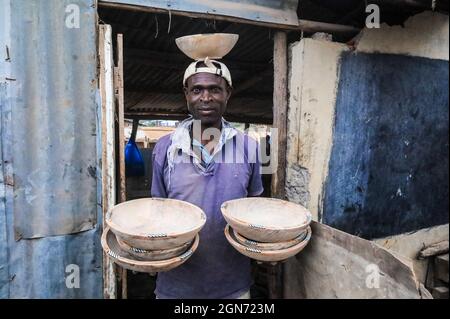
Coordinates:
(205,139)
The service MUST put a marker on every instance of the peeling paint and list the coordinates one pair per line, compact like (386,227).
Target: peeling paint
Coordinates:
(424,35)
(313,77)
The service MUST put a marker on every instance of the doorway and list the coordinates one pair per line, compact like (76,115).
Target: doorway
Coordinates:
(152,97)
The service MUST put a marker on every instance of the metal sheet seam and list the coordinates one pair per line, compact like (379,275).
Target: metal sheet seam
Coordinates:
(5,181)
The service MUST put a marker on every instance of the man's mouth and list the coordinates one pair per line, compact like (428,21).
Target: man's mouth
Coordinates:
(206,111)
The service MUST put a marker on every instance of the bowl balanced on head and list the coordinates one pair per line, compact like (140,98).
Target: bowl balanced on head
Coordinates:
(152,234)
(267,229)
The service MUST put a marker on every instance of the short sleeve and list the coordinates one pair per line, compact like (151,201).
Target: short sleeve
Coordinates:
(158,184)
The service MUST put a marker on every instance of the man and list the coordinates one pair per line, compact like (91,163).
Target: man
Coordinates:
(193,164)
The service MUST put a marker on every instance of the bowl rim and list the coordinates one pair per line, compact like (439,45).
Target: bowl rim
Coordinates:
(117,229)
(180,40)
(266,246)
(200,35)
(127,247)
(226,213)
(157,263)
(233,242)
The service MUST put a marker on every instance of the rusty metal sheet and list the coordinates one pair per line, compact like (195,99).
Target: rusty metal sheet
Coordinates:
(266,11)
(53,63)
(48,133)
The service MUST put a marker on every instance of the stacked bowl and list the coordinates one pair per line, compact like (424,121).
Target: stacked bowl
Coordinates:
(266,229)
(152,234)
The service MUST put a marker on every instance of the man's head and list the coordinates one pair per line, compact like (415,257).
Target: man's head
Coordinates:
(207,93)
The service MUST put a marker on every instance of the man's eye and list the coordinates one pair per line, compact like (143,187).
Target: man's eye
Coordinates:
(216,90)
(196,91)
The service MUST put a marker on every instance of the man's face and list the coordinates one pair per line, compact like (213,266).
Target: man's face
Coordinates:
(207,97)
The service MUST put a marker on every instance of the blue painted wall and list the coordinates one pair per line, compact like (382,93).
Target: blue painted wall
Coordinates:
(388,170)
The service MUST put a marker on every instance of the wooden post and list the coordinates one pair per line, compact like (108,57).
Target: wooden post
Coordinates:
(119,92)
(279,113)
(275,281)
(106,86)
(280,92)
(120,118)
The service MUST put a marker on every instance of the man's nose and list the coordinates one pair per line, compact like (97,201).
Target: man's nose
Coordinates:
(205,96)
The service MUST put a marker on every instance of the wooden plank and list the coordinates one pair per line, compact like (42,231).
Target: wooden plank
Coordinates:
(317,26)
(275,281)
(434,250)
(424,292)
(441,268)
(279,146)
(338,265)
(409,245)
(121,145)
(279,113)
(106,87)
(304,25)
(121,120)
(440,293)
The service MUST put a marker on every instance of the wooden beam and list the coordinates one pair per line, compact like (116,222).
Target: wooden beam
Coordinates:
(106,87)
(304,25)
(120,117)
(196,15)
(119,91)
(434,250)
(280,112)
(309,26)
(280,61)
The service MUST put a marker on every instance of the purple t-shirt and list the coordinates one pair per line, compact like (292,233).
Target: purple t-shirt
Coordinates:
(216,270)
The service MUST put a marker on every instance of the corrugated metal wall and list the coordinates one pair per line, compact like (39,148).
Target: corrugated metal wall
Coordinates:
(50,176)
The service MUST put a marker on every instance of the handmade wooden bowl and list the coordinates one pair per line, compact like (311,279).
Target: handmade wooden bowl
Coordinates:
(155,223)
(153,255)
(269,246)
(127,261)
(200,46)
(266,255)
(266,220)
